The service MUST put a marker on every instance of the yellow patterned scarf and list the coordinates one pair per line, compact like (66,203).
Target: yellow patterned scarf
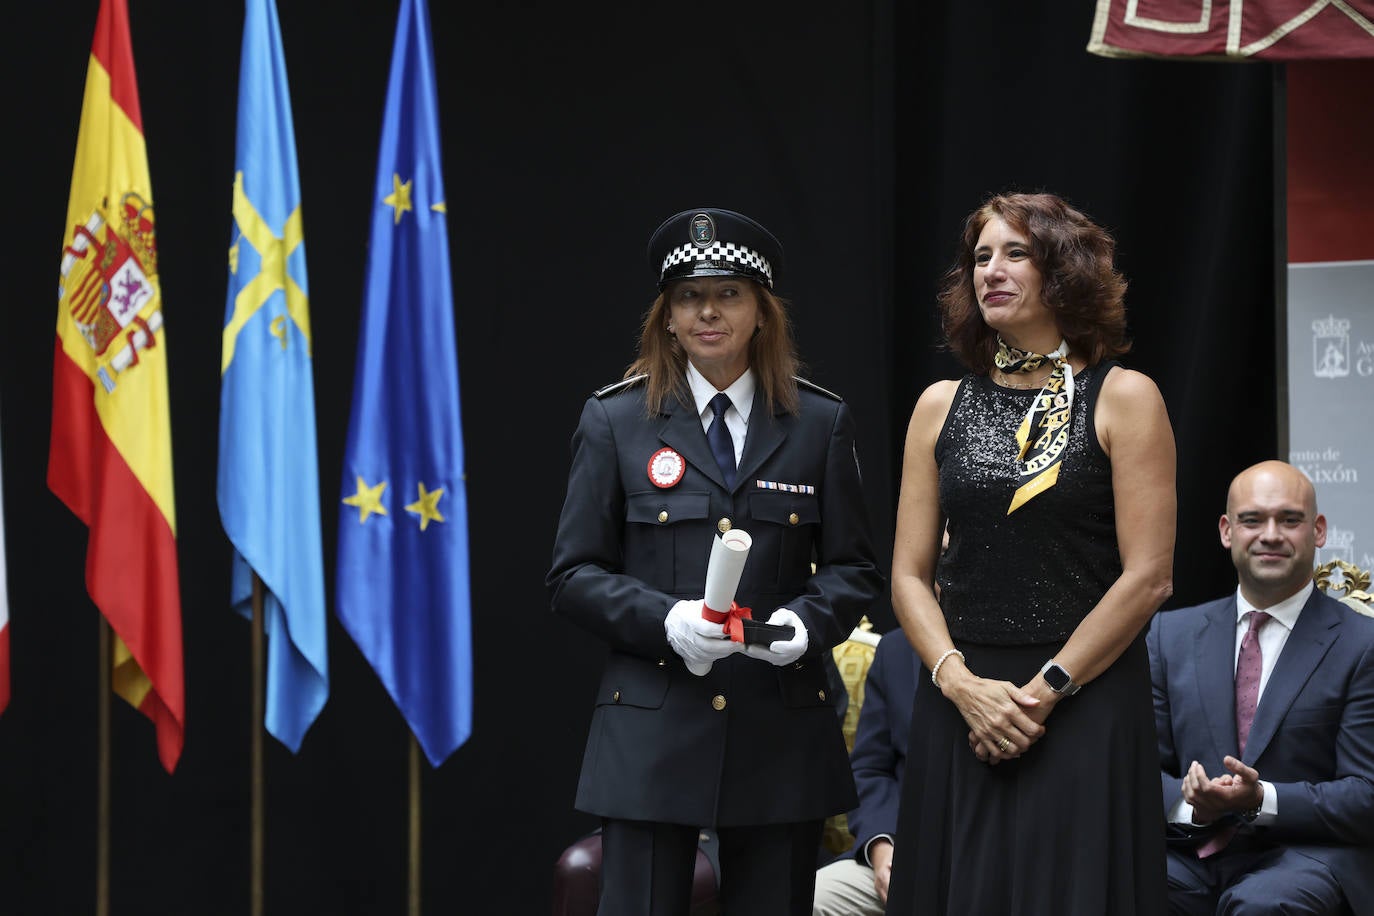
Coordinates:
(1047,419)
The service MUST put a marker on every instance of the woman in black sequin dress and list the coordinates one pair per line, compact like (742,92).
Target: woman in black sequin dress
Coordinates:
(1054,468)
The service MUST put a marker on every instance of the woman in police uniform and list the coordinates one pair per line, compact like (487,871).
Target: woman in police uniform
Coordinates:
(710,429)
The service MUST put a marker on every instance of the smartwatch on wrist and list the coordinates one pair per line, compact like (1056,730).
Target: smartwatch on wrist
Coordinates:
(1058,679)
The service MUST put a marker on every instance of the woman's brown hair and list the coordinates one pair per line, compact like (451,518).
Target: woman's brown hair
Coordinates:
(772,355)
(1079,282)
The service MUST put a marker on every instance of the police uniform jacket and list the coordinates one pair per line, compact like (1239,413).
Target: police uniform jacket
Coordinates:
(750,742)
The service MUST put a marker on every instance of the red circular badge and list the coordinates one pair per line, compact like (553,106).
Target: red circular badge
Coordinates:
(666,468)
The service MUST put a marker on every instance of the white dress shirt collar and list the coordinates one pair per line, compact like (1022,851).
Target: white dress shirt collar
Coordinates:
(1285,612)
(741,392)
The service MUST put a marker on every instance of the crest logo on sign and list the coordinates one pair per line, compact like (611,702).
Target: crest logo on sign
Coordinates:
(1331,347)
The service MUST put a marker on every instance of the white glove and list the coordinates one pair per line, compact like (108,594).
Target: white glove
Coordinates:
(783,651)
(699,641)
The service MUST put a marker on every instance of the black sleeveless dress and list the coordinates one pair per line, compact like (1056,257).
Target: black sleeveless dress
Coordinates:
(1075,827)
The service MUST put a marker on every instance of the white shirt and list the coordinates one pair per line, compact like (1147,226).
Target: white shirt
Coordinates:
(1272,638)
(1274,634)
(736,416)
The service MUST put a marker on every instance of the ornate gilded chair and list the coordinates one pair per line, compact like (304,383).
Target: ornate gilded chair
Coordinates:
(852,659)
(1347,583)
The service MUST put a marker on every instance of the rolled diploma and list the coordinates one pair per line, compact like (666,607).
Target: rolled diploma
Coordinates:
(723,571)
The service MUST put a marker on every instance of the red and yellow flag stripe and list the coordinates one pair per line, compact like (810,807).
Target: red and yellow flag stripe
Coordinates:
(110,458)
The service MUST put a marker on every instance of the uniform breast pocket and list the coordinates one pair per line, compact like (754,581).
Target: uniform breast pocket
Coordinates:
(793,519)
(630,681)
(662,525)
(804,686)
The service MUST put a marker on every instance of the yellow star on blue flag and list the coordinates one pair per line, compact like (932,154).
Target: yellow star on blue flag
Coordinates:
(368,500)
(427,506)
(399,198)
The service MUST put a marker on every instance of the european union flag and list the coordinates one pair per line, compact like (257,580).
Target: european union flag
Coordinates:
(268,475)
(403,538)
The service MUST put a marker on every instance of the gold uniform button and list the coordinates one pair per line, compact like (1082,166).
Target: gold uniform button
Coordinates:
(717,702)
(794,519)
(821,694)
(616,696)
(663,515)
(662,663)
(724,525)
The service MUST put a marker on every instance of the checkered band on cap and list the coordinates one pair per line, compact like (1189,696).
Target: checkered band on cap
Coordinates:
(727,252)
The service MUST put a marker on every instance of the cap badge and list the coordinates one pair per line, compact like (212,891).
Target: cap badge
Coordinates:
(666,468)
(703,230)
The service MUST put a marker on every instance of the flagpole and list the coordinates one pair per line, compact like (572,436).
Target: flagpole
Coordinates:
(256,753)
(413,882)
(102,793)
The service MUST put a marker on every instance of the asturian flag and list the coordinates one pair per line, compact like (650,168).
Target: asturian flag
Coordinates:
(403,538)
(269,496)
(110,458)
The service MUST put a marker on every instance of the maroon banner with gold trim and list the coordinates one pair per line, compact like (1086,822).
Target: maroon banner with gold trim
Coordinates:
(1275,30)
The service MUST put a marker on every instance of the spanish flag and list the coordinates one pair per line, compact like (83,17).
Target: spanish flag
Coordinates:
(110,458)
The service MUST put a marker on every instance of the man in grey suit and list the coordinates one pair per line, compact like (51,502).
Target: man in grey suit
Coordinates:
(1264,702)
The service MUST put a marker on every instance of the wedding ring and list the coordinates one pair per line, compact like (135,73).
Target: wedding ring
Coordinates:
(1003,744)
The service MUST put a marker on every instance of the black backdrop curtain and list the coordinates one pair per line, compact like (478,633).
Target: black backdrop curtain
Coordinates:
(860,133)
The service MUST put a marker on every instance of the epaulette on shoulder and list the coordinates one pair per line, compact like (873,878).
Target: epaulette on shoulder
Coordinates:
(622,385)
(807,383)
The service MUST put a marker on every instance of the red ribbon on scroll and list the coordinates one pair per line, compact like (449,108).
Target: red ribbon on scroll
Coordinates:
(730,619)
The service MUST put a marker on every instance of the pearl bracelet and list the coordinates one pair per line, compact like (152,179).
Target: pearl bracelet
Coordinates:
(935,672)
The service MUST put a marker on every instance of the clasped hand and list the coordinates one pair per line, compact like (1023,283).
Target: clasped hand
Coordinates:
(1004,720)
(783,651)
(1211,798)
(702,643)
(698,641)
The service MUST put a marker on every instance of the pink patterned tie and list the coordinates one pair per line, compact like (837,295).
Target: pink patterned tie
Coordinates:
(1248,667)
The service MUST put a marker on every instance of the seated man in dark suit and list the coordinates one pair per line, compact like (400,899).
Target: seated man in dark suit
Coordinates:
(856,884)
(1264,702)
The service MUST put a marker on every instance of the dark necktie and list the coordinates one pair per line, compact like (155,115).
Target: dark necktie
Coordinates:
(722,446)
(1249,665)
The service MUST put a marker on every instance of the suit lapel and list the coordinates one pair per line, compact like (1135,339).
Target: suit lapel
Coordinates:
(766,433)
(681,431)
(1312,636)
(1216,674)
